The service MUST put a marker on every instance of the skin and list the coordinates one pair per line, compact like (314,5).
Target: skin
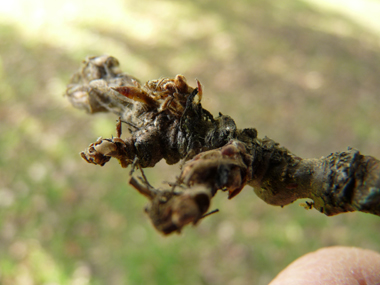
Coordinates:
(333,265)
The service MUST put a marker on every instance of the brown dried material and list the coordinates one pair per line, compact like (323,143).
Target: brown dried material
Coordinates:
(167,122)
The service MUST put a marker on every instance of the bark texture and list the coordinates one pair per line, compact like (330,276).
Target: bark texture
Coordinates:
(166,120)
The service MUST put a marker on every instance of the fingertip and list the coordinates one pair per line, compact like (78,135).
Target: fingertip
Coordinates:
(333,265)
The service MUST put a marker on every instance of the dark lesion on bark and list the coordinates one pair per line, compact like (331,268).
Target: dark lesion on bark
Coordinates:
(166,120)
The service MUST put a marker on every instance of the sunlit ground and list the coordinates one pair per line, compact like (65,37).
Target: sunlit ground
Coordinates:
(365,13)
(304,73)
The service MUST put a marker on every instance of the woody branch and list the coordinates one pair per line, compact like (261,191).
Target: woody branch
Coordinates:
(166,120)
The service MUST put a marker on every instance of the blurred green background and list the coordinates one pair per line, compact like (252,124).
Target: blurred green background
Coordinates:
(304,73)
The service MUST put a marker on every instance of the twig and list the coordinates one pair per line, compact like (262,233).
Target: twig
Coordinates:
(169,124)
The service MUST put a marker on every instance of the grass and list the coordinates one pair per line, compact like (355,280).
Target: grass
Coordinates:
(304,76)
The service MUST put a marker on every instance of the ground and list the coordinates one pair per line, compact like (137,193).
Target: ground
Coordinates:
(303,75)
